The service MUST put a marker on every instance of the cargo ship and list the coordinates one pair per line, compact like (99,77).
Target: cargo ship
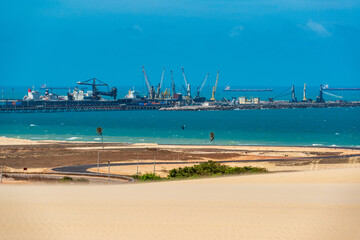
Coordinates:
(81,100)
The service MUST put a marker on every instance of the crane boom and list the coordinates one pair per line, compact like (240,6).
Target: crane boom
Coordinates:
(331,94)
(217,79)
(172,84)
(87,82)
(214,88)
(184,76)
(203,84)
(187,86)
(96,92)
(146,81)
(162,77)
(93,83)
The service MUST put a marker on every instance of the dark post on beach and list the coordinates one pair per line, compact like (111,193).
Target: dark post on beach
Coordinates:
(99,131)
(109,168)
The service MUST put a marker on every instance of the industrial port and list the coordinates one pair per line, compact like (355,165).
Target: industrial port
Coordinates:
(103,98)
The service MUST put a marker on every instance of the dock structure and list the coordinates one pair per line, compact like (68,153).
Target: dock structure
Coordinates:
(75,106)
(264,105)
(84,106)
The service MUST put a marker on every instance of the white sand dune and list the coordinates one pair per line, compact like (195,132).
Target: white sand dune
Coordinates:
(311,205)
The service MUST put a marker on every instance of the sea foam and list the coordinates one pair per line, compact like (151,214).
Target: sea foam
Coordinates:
(72,138)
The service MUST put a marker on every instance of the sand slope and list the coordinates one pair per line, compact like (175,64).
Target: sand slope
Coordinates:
(312,205)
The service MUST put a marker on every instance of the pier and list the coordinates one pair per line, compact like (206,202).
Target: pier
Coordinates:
(73,106)
(263,105)
(110,105)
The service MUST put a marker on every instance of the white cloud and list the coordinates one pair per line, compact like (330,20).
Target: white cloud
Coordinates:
(236,31)
(317,28)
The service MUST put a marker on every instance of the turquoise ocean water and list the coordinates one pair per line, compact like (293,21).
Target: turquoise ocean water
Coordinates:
(328,127)
(311,127)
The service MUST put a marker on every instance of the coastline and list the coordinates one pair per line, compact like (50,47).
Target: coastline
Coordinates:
(22,141)
(45,156)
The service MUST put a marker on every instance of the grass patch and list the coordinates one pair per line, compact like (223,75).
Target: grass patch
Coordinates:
(212,168)
(82,180)
(67,179)
(209,168)
(147,177)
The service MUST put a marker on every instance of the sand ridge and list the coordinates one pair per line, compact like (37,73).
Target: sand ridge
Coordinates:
(242,207)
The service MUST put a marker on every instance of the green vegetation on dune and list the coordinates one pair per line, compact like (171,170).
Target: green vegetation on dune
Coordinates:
(209,168)
(212,168)
(147,177)
(67,179)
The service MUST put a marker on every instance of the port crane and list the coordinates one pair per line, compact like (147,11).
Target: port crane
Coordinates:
(187,86)
(199,89)
(96,93)
(325,88)
(214,87)
(293,97)
(158,92)
(162,77)
(282,94)
(150,89)
(320,98)
(173,90)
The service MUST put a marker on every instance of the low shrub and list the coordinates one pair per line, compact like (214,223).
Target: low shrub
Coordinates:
(212,168)
(148,177)
(82,180)
(66,179)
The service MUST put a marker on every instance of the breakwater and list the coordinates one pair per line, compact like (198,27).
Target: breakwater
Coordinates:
(84,106)
(266,105)
(76,106)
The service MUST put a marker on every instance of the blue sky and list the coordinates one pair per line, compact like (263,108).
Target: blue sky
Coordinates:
(252,43)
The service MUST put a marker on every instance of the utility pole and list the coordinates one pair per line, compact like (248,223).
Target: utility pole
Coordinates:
(102,141)
(1,173)
(98,162)
(109,168)
(99,131)
(154,165)
(137,166)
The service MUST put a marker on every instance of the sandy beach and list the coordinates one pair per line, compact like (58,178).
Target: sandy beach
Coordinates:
(310,193)
(42,156)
